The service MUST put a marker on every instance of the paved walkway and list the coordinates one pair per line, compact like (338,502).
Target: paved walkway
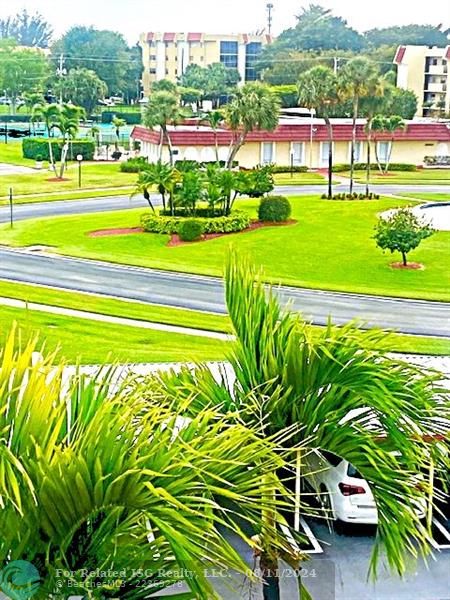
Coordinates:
(8,169)
(90,316)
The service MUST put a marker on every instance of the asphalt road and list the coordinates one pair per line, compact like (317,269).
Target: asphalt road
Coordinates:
(71,207)
(206,293)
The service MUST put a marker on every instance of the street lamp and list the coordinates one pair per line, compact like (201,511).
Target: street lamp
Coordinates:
(80,160)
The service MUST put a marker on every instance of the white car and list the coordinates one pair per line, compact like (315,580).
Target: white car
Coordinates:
(344,495)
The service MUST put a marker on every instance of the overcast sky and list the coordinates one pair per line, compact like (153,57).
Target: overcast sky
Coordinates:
(219,16)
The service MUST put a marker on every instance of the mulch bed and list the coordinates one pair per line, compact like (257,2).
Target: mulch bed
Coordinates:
(413,266)
(175,238)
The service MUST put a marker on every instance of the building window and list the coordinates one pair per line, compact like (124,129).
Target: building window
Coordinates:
(152,71)
(152,56)
(324,147)
(297,153)
(383,151)
(358,150)
(252,51)
(229,54)
(267,153)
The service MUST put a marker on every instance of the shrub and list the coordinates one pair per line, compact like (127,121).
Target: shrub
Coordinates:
(341,167)
(190,230)
(33,147)
(134,165)
(274,209)
(256,182)
(130,118)
(287,169)
(157,223)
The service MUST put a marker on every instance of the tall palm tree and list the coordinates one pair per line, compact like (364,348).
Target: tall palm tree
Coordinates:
(318,89)
(214,119)
(48,113)
(343,392)
(370,107)
(118,123)
(163,109)
(387,125)
(253,107)
(68,122)
(358,79)
(98,479)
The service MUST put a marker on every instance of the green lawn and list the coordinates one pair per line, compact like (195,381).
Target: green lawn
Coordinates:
(94,175)
(118,308)
(12,153)
(299,179)
(428,197)
(74,195)
(97,343)
(419,177)
(330,247)
(159,314)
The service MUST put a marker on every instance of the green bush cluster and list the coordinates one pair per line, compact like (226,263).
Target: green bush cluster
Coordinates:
(441,161)
(183,211)
(34,147)
(274,209)
(287,169)
(16,119)
(186,164)
(354,196)
(130,118)
(134,165)
(191,230)
(236,221)
(341,167)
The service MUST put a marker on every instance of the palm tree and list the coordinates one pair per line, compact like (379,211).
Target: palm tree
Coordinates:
(67,122)
(48,113)
(118,123)
(100,478)
(162,176)
(318,89)
(253,107)
(387,125)
(163,109)
(214,119)
(344,394)
(359,78)
(370,107)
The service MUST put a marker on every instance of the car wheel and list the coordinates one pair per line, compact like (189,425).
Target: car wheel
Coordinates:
(340,527)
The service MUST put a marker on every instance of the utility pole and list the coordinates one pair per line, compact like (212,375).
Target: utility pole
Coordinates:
(11,214)
(269,7)
(61,71)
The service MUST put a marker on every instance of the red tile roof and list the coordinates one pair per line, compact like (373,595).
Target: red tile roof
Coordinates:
(194,37)
(150,36)
(168,37)
(296,132)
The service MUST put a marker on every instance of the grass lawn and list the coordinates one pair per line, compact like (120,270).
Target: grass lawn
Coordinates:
(428,197)
(330,247)
(12,153)
(419,177)
(74,195)
(97,343)
(94,175)
(299,179)
(171,316)
(118,308)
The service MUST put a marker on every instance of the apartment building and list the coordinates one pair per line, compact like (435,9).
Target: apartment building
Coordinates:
(167,55)
(426,72)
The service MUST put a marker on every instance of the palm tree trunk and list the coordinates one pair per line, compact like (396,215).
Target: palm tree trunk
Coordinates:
(377,158)
(388,160)
(234,149)
(169,143)
(63,159)
(330,157)
(216,144)
(353,142)
(270,577)
(161,139)
(369,142)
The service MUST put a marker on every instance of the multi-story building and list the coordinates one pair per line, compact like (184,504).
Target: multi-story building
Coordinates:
(167,55)
(426,72)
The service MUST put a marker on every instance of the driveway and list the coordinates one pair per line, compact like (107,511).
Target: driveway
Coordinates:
(8,169)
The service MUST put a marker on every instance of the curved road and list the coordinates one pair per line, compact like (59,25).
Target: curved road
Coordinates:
(206,293)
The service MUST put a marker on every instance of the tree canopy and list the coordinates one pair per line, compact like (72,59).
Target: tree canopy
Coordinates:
(82,87)
(102,51)
(210,82)
(420,35)
(28,30)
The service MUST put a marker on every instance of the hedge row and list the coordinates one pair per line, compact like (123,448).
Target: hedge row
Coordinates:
(38,147)
(15,118)
(341,167)
(287,169)
(129,118)
(155,223)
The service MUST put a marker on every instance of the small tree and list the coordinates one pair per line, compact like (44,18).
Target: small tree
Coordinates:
(401,232)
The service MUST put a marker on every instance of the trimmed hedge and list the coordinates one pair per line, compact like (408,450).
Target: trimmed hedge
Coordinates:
(33,147)
(191,230)
(155,223)
(341,167)
(353,196)
(198,212)
(188,164)
(129,117)
(134,165)
(287,169)
(274,209)
(15,119)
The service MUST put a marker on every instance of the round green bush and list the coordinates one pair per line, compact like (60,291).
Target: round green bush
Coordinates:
(274,209)
(190,230)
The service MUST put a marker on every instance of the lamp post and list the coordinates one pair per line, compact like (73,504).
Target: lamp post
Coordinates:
(292,162)
(80,160)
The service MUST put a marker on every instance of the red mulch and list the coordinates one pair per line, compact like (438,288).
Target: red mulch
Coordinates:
(58,179)
(117,231)
(413,266)
(175,238)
